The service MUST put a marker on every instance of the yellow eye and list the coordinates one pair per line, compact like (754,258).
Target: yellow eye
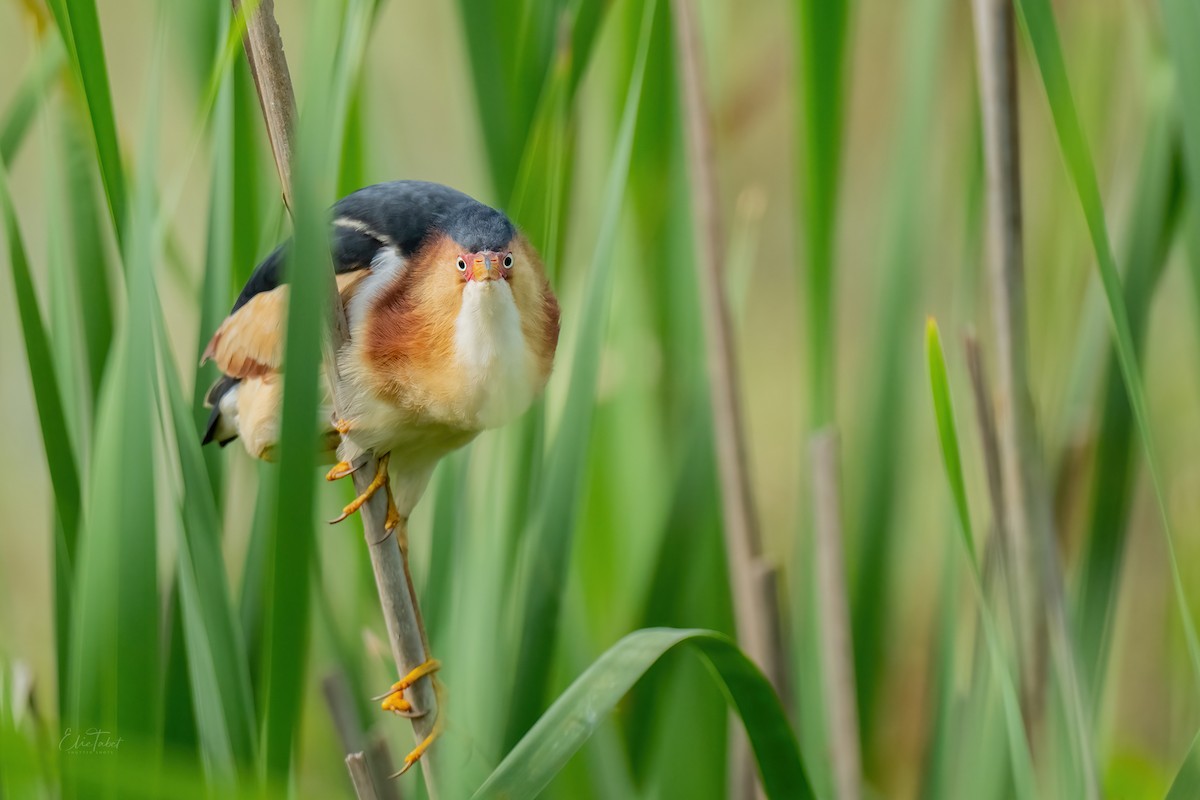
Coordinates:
(462,265)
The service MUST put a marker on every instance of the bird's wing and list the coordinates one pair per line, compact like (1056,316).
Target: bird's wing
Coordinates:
(249,342)
(393,216)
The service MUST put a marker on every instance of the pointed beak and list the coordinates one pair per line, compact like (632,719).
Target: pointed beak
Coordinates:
(485,268)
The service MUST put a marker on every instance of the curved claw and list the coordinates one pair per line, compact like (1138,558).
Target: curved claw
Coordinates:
(380,480)
(434,732)
(341,470)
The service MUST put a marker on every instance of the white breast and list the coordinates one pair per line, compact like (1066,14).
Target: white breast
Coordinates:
(491,351)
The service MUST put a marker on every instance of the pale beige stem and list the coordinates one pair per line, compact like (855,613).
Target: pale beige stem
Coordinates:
(406,629)
(753,583)
(837,657)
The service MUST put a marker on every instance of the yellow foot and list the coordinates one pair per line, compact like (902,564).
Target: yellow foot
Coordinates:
(381,480)
(394,701)
(340,470)
(342,426)
(420,749)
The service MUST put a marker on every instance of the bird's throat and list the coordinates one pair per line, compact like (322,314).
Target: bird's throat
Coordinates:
(492,354)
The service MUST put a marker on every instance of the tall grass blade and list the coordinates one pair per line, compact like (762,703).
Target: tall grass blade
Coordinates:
(52,421)
(35,84)
(502,88)
(88,242)
(80,28)
(822,42)
(899,264)
(116,671)
(1018,745)
(548,546)
(286,623)
(1181,20)
(217,665)
(1038,18)
(1186,783)
(561,731)
(1155,210)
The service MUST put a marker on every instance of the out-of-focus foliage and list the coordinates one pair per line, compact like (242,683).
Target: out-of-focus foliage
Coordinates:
(187,601)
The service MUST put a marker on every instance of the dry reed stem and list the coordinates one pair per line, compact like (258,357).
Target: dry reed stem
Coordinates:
(406,629)
(996,52)
(753,582)
(837,660)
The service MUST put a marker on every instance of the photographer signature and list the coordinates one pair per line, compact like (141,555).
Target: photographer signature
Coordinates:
(91,741)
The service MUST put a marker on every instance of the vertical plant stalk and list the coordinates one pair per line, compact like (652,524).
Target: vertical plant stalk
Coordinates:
(837,660)
(406,629)
(1034,557)
(360,776)
(986,418)
(373,751)
(996,52)
(754,583)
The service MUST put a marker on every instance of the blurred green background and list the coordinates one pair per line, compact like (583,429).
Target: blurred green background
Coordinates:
(519,103)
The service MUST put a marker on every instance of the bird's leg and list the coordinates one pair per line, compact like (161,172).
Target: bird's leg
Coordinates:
(393,519)
(342,426)
(394,701)
(381,480)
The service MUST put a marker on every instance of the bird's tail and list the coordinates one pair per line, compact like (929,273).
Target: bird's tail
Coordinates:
(221,428)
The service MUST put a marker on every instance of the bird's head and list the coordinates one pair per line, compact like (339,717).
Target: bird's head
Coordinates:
(481,304)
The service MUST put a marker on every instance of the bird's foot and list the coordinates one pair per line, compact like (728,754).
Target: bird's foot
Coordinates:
(341,470)
(342,426)
(394,701)
(381,480)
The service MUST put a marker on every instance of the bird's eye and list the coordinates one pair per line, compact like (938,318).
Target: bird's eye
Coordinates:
(508,261)
(462,265)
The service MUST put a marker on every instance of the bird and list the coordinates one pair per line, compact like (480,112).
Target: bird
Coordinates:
(453,330)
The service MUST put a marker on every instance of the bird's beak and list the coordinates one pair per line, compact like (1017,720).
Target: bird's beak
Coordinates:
(484,268)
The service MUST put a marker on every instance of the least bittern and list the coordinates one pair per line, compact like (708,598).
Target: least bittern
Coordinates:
(453,330)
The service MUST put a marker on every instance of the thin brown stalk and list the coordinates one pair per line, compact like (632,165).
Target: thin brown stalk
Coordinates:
(995,46)
(1033,559)
(990,439)
(755,595)
(837,660)
(401,613)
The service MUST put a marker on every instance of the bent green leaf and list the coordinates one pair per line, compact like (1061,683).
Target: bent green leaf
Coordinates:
(563,729)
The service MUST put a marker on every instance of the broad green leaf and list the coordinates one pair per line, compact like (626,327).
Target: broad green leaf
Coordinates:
(1038,18)
(564,728)
(548,544)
